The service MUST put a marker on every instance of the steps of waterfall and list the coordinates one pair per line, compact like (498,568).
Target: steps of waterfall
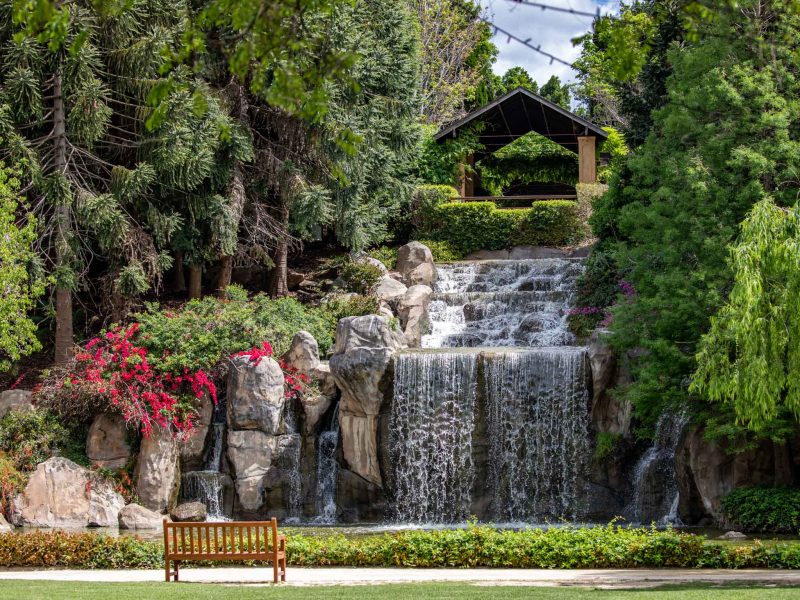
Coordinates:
(490,417)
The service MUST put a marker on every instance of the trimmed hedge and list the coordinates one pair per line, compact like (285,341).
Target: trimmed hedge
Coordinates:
(472,226)
(764,509)
(476,546)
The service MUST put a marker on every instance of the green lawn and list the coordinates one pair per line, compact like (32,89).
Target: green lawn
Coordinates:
(26,590)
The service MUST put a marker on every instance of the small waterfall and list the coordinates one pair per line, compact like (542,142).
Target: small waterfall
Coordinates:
(294,452)
(214,459)
(327,470)
(538,426)
(655,488)
(206,486)
(430,442)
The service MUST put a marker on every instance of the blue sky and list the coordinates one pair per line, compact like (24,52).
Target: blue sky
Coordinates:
(553,30)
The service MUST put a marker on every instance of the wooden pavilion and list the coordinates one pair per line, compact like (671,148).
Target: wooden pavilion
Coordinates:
(517,113)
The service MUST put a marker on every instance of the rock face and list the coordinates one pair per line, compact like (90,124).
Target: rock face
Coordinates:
(135,516)
(707,473)
(389,289)
(608,414)
(63,494)
(258,390)
(415,264)
(189,512)
(107,442)
(157,473)
(303,355)
(4,526)
(412,309)
(15,400)
(364,347)
(250,455)
(192,449)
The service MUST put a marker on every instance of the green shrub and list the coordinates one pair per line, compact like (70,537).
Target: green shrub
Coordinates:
(339,307)
(442,251)
(360,277)
(386,254)
(764,509)
(424,201)
(472,226)
(30,437)
(475,546)
(607,443)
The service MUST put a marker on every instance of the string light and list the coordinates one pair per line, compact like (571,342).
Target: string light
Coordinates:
(527,43)
(571,11)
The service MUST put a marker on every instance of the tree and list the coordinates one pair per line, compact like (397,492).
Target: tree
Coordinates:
(556,92)
(21,287)
(726,141)
(517,77)
(750,360)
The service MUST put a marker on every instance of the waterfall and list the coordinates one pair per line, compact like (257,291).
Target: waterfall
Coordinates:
(538,432)
(293,445)
(431,435)
(214,459)
(206,486)
(492,416)
(655,487)
(327,470)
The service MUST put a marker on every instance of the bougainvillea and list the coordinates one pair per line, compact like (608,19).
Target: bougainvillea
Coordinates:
(295,382)
(114,367)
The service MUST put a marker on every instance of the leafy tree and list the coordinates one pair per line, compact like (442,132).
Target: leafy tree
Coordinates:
(517,77)
(750,360)
(556,92)
(20,286)
(726,141)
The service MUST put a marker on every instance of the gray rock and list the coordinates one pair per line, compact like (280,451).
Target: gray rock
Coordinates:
(107,441)
(189,512)
(361,257)
(608,414)
(294,280)
(412,309)
(61,493)
(364,347)
(415,264)
(192,448)
(389,289)
(5,527)
(256,396)
(15,400)
(385,310)
(489,255)
(135,516)
(303,353)
(250,454)
(157,473)
(732,535)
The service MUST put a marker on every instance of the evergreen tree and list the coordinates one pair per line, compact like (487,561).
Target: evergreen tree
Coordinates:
(556,92)
(517,77)
(727,139)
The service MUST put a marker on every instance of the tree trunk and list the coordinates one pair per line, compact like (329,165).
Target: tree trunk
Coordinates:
(278,286)
(236,195)
(64,327)
(178,275)
(195,282)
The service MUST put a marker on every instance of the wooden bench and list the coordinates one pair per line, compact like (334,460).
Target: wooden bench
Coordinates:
(234,541)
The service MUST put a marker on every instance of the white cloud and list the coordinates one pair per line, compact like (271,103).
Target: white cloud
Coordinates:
(553,31)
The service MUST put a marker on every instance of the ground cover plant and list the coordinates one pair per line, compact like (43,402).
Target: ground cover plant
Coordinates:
(476,546)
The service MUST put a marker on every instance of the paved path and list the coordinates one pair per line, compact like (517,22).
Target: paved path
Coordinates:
(604,578)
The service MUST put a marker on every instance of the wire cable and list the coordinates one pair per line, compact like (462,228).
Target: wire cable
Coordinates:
(527,42)
(571,11)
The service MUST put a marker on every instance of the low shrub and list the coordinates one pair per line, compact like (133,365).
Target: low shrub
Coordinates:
(764,509)
(424,201)
(475,546)
(339,307)
(606,444)
(30,437)
(360,277)
(442,251)
(11,482)
(386,254)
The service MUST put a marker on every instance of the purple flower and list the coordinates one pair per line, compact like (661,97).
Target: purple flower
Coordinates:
(627,289)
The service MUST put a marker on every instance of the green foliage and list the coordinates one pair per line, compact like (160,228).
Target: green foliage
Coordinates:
(606,444)
(438,163)
(18,277)
(442,252)
(11,482)
(204,332)
(764,509)
(726,142)
(472,226)
(360,277)
(386,254)
(517,77)
(557,92)
(615,146)
(30,437)
(750,360)
(424,201)
(351,305)
(476,546)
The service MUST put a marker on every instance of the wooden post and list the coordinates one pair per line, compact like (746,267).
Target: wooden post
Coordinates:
(587,160)
(466,179)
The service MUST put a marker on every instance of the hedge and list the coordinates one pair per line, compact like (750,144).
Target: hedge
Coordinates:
(424,201)
(475,546)
(764,509)
(472,226)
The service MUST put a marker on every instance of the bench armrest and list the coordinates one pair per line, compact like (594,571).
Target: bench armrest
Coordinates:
(282,542)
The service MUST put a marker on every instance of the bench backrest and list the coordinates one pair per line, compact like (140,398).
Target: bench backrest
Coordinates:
(234,540)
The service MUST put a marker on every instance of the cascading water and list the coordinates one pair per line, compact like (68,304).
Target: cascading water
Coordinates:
(655,487)
(492,419)
(431,435)
(206,486)
(327,470)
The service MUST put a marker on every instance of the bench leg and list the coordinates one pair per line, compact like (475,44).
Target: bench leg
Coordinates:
(167,572)
(177,563)
(275,567)
(283,571)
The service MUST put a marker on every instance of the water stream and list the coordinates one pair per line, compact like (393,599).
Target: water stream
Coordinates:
(327,470)
(206,486)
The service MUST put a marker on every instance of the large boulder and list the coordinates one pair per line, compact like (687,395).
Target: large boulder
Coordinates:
(609,415)
(707,471)
(363,351)
(256,395)
(415,264)
(412,309)
(389,289)
(135,516)
(107,441)
(192,449)
(157,473)
(303,355)
(189,512)
(250,455)
(15,400)
(61,493)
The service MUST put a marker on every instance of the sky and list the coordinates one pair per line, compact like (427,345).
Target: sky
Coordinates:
(552,30)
